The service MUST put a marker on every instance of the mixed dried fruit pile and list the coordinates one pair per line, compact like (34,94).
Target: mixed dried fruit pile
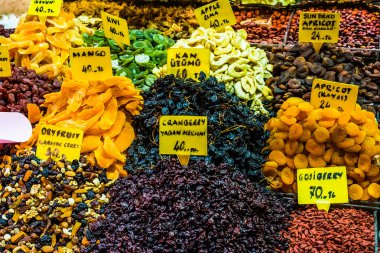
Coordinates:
(164,208)
(304,137)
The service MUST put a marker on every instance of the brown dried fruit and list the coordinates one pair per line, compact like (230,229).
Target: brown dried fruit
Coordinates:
(270,169)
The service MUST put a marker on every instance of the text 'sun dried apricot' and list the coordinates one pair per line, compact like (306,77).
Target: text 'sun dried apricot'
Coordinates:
(305,137)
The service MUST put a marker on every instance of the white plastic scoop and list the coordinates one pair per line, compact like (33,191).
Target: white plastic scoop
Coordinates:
(14,127)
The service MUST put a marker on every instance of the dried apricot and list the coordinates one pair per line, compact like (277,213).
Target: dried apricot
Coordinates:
(315,148)
(270,169)
(306,134)
(328,155)
(355,192)
(271,124)
(290,163)
(358,117)
(305,107)
(359,172)
(287,120)
(350,158)
(316,114)
(281,135)
(353,149)
(370,127)
(365,194)
(287,176)
(292,112)
(309,123)
(300,148)
(374,171)
(321,135)
(327,123)
(276,183)
(337,158)
(278,157)
(294,186)
(348,142)
(364,163)
(277,144)
(302,115)
(374,190)
(281,126)
(316,161)
(294,101)
(300,161)
(295,132)
(330,113)
(368,144)
(344,119)
(355,176)
(365,184)
(339,134)
(291,147)
(352,129)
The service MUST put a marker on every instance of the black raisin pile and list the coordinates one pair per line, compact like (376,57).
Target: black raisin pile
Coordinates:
(199,208)
(235,135)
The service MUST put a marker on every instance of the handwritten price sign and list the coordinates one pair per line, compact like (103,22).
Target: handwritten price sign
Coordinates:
(45,7)
(217,15)
(115,28)
(5,64)
(88,63)
(326,94)
(183,135)
(322,185)
(319,27)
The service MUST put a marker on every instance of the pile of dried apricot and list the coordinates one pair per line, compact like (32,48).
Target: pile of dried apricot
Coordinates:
(304,137)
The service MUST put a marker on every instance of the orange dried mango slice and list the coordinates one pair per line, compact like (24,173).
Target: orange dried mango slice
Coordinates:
(125,138)
(352,129)
(95,119)
(278,157)
(315,148)
(111,150)
(102,159)
(59,40)
(364,163)
(61,116)
(316,161)
(295,132)
(355,192)
(72,124)
(134,107)
(86,114)
(321,135)
(109,116)
(277,144)
(291,147)
(34,113)
(301,161)
(287,176)
(117,126)
(90,143)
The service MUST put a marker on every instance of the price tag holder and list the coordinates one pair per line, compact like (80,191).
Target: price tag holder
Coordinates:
(217,15)
(322,186)
(115,28)
(59,143)
(183,136)
(45,8)
(5,64)
(188,62)
(341,96)
(319,28)
(90,63)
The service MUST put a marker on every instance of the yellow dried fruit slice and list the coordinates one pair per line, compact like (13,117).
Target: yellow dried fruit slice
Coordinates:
(352,129)
(278,157)
(300,161)
(355,192)
(295,132)
(287,176)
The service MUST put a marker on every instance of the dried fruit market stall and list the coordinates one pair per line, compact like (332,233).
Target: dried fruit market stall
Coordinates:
(118,100)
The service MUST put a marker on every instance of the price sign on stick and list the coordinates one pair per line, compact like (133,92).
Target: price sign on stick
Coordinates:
(183,136)
(319,28)
(115,28)
(341,96)
(91,63)
(322,186)
(5,64)
(188,62)
(217,15)
(45,8)
(59,143)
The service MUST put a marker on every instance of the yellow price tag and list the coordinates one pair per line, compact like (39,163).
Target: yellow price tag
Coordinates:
(115,28)
(319,27)
(91,63)
(5,64)
(183,135)
(45,7)
(188,62)
(322,185)
(326,94)
(217,15)
(59,143)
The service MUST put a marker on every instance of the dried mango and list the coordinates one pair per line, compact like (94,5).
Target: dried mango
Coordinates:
(107,128)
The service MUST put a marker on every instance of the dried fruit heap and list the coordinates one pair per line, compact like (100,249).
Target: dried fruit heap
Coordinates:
(200,208)
(44,206)
(103,110)
(44,47)
(236,135)
(304,137)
